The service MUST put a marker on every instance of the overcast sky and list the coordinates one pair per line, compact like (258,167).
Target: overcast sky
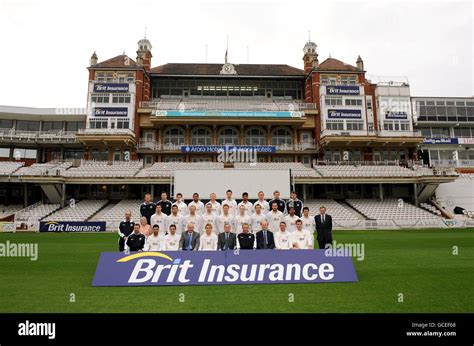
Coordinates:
(46,45)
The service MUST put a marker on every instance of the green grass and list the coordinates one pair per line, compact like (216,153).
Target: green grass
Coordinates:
(419,264)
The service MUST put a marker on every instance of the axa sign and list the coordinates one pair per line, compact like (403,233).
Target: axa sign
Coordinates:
(173,268)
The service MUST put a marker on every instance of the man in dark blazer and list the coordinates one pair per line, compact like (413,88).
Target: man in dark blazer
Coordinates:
(265,239)
(323,227)
(226,240)
(190,239)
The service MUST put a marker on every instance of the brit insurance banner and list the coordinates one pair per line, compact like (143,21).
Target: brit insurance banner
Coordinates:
(396,115)
(183,268)
(344,114)
(111,88)
(72,226)
(342,90)
(111,111)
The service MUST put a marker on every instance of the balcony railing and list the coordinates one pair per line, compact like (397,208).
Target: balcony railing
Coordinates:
(452,163)
(227,104)
(346,133)
(90,131)
(38,136)
(144,144)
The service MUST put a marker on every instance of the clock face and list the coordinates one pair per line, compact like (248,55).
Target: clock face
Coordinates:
(228,69)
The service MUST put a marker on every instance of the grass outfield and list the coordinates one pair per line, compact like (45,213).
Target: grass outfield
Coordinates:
(417,263)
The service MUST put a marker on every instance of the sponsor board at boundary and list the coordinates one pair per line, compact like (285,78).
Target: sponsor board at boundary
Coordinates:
(7,227)
(187,268)
(72,226)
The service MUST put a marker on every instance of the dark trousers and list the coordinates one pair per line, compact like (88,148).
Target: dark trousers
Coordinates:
(322,243)
(121,244)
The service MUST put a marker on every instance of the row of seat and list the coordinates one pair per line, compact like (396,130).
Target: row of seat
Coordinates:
(79,211)
(8,167)
(35,212)
(9,210)
(389,209)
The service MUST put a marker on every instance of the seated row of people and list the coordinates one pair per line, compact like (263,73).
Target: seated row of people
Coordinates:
(191,240)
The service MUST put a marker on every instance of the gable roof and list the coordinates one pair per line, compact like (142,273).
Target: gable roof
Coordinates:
(331,64)
(215,69)
(120,61)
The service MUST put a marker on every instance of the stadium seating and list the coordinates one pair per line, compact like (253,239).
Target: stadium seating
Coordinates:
(297,169)
(35,212)
(364,171)
(80,211)
(430,208)
(8,167)
(113,215)
(100,169)
(339,212)
(389,209)
(165,169)
(9,210)
(49,168)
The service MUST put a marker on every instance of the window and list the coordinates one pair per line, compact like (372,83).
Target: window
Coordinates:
(121,98)
(337,125)
(101,154)
(354,125)
(353,102)
(174,136)
(282,137)
(396,126)
(73,154)
(74,126)
(6,124)
(201,136)
(255,136)
(442,132)
(98,123)
(4,152)
(388,125)
(425,131)
(369,103)
(100,98)
(117,154)
(52,125)
(25,125)
(333,100)
(229,136)
(149,136)
(25,153)
(404,126)
(148,160)
(123,123)
(357,156)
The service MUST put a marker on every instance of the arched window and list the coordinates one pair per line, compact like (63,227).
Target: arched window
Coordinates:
(282,137)
(255,136)
(201,136)
(174,136)
(229,136)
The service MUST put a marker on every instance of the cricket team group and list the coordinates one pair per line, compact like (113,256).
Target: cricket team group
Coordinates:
(226,225)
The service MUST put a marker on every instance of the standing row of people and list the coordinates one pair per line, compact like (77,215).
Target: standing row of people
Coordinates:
(162,231)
